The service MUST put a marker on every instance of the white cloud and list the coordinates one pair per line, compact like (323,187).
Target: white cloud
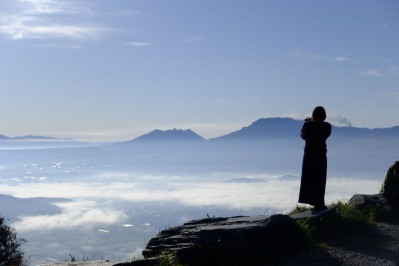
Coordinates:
(39,19)
(19,28)
(89,211)
(314,57)
(381,72)
(49,7)
(372,73)
(340,58)
(199,191)
(62,46)
(43,6)
(74,214)
(139,44)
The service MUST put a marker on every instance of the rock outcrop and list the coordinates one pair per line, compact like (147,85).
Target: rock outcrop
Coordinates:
(230,241)
(363,201)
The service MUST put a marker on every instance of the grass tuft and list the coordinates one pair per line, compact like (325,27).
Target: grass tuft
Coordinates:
(341,224)
(168,258)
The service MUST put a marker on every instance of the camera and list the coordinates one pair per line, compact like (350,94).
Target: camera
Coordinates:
(308,119)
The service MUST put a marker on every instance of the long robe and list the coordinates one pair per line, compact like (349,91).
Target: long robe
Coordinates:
(314,166)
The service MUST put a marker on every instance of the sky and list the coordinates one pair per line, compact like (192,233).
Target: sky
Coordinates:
(116,69)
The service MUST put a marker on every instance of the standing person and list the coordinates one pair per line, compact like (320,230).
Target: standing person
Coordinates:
(314,167)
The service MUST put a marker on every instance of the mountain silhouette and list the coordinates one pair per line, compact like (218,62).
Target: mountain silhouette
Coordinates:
(169,135)
(33,137)
(266,128)
(2,137)
(277,128)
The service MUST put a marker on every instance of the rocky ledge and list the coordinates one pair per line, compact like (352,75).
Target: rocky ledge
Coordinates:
(241,240)
(228,241)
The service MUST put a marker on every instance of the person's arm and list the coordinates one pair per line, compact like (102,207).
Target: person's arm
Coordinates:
(303,131)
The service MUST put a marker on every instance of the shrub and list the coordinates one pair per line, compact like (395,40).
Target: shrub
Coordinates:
(10,246)
(339,225)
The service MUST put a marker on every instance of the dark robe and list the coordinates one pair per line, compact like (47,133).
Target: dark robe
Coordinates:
(314,166)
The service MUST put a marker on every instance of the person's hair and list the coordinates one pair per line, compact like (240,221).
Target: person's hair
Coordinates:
(319,114)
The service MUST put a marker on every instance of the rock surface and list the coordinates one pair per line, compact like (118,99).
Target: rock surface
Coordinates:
(228,241)
(85,263)
(362,201)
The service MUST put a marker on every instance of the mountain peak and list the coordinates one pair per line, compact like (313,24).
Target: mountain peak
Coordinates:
(267,127)
(170,135)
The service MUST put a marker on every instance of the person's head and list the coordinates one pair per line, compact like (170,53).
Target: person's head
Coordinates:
(319,114)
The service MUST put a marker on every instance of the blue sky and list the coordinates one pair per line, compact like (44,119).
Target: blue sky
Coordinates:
(116,69)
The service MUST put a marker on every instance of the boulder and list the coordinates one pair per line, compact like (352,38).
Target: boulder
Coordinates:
(240,240)
(362,201)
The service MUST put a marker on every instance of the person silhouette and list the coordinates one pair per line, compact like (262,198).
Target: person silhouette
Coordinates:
(315,132)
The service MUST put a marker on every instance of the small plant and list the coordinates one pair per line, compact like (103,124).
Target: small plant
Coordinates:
(380,213)
(298,209)
(10,246)
(84,259)
(339,225)
(72,258)
(168,258)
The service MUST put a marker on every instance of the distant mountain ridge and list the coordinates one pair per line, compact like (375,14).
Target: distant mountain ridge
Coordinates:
(288,128)
(263,128)
(169,135)
(27,137)
(266,128)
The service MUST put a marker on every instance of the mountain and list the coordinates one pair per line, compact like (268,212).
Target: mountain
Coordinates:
(170,136)
(266,128)
(2,137)
(32,137)
(277,128)
(27,137)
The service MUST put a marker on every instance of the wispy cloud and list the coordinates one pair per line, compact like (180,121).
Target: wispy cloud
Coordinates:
(314,57)
(307,57)
(139,44)
(125,13)
(340,58)
(339,120)
(74,214)
(381,72)
(40,19)
(62,46)
(372,72)
(52,7)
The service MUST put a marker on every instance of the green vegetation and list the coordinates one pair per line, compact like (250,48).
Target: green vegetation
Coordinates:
(168,258)
(342,224)
(10,246)
(84,258)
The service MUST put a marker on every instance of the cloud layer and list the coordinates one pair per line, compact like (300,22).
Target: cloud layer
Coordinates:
(47,19)
(88,208)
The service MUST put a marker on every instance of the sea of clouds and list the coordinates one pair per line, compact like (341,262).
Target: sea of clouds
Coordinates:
(111,214)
